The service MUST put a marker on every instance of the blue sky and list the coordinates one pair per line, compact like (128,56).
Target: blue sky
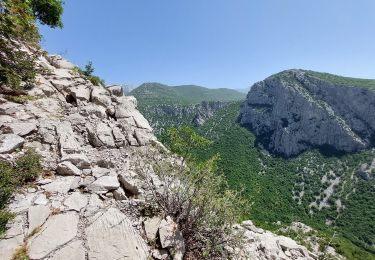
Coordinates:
(215,43)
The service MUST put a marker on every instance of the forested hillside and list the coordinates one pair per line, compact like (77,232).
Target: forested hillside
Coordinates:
(327,193)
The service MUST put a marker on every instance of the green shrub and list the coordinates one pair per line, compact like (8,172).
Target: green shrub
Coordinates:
(87,73)
(26,169)
(197,198)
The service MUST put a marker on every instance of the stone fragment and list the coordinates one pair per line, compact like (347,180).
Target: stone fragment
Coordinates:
(116,90)
(67,168)
(22,128)
(104,184)
(41,200)
(119,194)
(100,96)
(80,93)
(10,142)
(60,185)
(98,172)
(58,230)
(128,183)
(171,237)
(80,160)
(151,227)
(67,140)
(112,236)
(76,201)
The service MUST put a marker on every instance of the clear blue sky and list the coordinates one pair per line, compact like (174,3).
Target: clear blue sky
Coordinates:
(216,43)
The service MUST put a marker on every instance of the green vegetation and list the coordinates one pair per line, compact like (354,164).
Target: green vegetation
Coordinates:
(198,198)
(17,30)
(156,94)
(87,72)
(26,169)
(344,81)
(285,189)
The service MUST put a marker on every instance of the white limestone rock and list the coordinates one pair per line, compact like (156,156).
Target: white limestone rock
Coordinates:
(9,246)
(10,142)
(41,200)
(37,215)
(67,168)
(171,237)
(58,230)
(60,185)
(151,227)
(76,201)
(116,90)
(72,251)
(22,128)
(104,184)
(112,236)
(80,160)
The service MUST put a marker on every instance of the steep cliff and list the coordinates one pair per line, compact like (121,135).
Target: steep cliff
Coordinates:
(297,110)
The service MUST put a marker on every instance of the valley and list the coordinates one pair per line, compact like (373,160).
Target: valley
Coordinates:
(328,192)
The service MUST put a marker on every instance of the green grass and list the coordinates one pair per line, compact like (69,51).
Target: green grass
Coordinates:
(156,94)
(343,81)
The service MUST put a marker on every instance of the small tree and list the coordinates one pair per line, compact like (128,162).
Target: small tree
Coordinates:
(89,69)
(18,30)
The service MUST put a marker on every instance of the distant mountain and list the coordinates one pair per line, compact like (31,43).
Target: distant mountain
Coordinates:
(165,106)
(156,93)
(296,110)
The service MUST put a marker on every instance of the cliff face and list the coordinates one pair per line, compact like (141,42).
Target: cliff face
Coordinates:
(163,116)
(295,110)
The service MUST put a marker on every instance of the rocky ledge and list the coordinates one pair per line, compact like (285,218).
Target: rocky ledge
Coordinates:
(93,199)
(295,110)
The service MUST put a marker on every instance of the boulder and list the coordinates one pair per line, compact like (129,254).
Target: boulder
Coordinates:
(10,142)
(80,93)
(68,142)
(60,185)
(67,168)
(98,172)
(104,184)
(100,96)
(57,231)
(100,135)
(80,160)
(129,183)
(112,236)
(116,90)
(60,63)
(21,128)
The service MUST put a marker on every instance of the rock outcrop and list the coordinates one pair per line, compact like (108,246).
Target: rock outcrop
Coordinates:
(296,110)
(97,153)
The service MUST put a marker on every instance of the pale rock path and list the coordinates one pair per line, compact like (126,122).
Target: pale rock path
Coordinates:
(97,151)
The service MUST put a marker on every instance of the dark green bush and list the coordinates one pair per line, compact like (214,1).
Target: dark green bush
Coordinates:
(26,169)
